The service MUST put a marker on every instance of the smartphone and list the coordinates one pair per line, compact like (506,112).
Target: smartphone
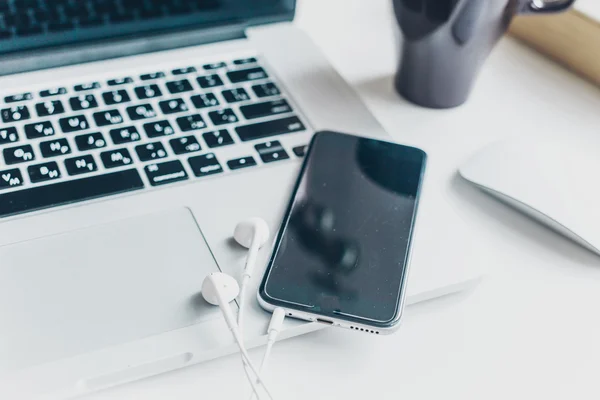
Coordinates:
(342,254)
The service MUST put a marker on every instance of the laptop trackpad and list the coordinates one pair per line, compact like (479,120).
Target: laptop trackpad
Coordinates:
(81,291)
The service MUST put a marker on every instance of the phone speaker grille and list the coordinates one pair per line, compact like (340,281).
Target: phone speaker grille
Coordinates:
(356,328)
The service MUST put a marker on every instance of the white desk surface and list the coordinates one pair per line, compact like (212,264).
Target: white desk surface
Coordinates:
(530,330)
(589,7)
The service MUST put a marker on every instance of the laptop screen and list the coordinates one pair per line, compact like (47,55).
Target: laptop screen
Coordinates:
(35,24)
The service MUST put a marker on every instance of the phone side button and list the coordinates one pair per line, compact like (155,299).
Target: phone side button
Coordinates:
(324,321)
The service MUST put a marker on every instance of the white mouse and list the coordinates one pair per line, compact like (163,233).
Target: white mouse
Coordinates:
(555,182)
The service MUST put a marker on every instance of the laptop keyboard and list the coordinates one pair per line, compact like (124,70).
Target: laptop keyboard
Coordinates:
(35,17)
(72,143)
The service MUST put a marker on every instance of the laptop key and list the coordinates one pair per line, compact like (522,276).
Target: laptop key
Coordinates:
(29,29)
(73,124)
(89,20)
(179,8)
(19,154)
(53,92)
(147,91)
(46,16)
(143,111)
(119,81)
(240,163)
(205,100)
(184,145)
(221,117)
(209,81)
(61,193)
(266,90)
(191,123)
(213,66)
(275,156)
(90,141)
(75,9)
(8,135)
(83,102)
(268,147)
(54,148)
(206,164)
(15,98)
(116,158)
(41,15)
(158,129)
(110,117)
(180,86)
(218,138)
(9,178)
(116,97)
(19,17)
(271,151)
(60,26)
(299,151)
(43,172)
(39,130)
(166,172)
(122,16)
(150,151)
(173,106)
(22,4)
(104,7)
(244,61)
(235,95)
(183,71)
(86,86)
(127,134)
(48,108)
(125,16)
(244,75)
(148,11)
(81,165)
(15,114)
(152,76)
(270,128)
(266,109)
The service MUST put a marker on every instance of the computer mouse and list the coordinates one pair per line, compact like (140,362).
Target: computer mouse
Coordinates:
(553,181)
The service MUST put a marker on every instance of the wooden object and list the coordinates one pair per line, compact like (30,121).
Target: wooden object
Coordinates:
(571,38)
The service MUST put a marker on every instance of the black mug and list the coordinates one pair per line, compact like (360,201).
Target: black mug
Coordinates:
(446,42)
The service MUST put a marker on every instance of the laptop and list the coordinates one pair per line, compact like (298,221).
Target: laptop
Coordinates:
(134,135)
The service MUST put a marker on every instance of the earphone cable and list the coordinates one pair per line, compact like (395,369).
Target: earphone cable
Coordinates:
(250,364)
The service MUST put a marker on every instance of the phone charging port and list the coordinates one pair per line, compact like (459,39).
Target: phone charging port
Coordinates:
(324,321)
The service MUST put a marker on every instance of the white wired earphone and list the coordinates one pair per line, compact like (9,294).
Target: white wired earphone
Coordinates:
(220,289)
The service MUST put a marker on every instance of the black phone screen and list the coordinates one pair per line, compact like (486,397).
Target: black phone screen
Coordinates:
(344,245)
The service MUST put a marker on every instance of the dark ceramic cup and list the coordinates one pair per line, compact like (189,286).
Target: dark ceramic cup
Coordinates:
(445,42)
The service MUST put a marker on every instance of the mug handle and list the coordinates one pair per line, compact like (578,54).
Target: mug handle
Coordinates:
(545,6)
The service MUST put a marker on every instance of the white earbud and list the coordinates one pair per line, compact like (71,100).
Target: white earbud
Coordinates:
(219,283)
(220,289)
(250,231)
